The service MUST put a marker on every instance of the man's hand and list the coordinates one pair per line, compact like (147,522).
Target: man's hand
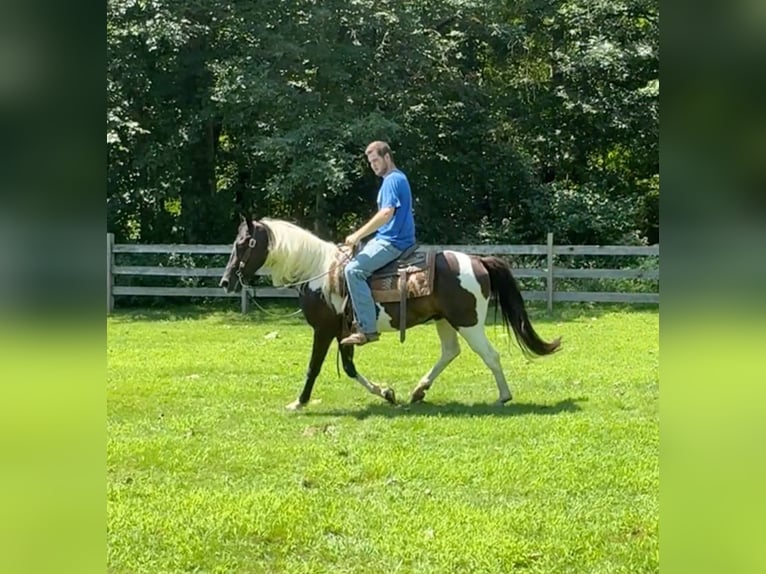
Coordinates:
(352,239)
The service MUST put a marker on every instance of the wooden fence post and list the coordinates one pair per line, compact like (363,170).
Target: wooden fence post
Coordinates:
(109,276)
(549,278)
(244,301)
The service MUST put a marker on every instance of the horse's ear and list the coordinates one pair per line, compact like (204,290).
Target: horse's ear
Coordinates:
(248,220)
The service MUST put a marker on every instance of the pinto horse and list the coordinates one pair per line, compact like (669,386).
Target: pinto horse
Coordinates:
(462,287)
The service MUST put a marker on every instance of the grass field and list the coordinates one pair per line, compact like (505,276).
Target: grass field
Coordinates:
(206,471)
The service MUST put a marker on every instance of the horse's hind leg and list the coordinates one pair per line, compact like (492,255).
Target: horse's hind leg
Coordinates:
(450,350)
(477,339)
(347,356)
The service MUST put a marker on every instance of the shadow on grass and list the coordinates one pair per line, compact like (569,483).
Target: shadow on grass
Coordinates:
(455,409)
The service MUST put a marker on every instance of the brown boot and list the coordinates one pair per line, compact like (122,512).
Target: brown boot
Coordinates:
(360,339)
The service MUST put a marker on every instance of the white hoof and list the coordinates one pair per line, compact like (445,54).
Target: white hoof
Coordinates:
(296,405)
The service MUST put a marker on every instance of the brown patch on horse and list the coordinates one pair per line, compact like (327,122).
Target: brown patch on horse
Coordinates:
(482,276)
(418,311)
(456,304)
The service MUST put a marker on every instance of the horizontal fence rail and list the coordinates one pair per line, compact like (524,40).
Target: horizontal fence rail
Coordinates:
(548,271)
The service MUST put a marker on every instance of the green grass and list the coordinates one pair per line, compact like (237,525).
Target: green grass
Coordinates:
(206,471)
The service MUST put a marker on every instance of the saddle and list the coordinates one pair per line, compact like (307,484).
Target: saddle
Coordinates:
(409,276)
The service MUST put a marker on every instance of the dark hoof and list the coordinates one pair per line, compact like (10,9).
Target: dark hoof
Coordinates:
(417,397)
(390,396)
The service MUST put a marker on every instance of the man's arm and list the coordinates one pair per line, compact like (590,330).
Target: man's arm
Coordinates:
(382,217)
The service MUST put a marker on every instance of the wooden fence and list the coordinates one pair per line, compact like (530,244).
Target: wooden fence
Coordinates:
(549,272)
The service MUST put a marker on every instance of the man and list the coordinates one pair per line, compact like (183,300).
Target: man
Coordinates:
(394,228)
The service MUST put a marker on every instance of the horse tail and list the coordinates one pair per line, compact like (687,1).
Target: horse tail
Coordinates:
(514,314)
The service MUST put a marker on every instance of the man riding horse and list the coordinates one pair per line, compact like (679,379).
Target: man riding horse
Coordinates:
(455,297)
(394,229)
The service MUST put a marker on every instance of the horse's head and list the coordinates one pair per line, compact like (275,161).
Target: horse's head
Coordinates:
(248,254)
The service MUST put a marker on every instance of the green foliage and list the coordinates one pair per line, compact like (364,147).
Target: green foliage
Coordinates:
(206,472)
(510,120)
(585,215)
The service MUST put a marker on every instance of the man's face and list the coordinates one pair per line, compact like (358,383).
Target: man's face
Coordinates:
(378,163)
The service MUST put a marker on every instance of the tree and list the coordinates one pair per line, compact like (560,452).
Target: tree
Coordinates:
(510,119)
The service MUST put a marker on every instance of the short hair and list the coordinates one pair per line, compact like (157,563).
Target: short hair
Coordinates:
(381,147)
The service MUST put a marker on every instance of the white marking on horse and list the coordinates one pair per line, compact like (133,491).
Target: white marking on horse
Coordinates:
(450,350)
(468,280)
(336,301)
(475,335)
(296,405)
(385,321)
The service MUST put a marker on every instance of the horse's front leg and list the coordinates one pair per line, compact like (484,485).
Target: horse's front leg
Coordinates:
(322,339)
(347,356)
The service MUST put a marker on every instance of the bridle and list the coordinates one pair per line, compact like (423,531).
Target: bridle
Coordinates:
(243,261)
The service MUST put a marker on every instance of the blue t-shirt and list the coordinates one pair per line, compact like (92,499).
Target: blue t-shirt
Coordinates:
(395,192)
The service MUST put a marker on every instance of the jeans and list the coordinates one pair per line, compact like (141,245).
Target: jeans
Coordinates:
(372,257)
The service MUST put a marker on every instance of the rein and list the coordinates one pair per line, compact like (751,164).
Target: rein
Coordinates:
(251,288)
(251,295)
(309,280)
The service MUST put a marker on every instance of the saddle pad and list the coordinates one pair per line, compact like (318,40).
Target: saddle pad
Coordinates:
(386,282)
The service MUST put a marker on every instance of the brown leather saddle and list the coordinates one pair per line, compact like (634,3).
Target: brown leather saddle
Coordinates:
(409,276)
